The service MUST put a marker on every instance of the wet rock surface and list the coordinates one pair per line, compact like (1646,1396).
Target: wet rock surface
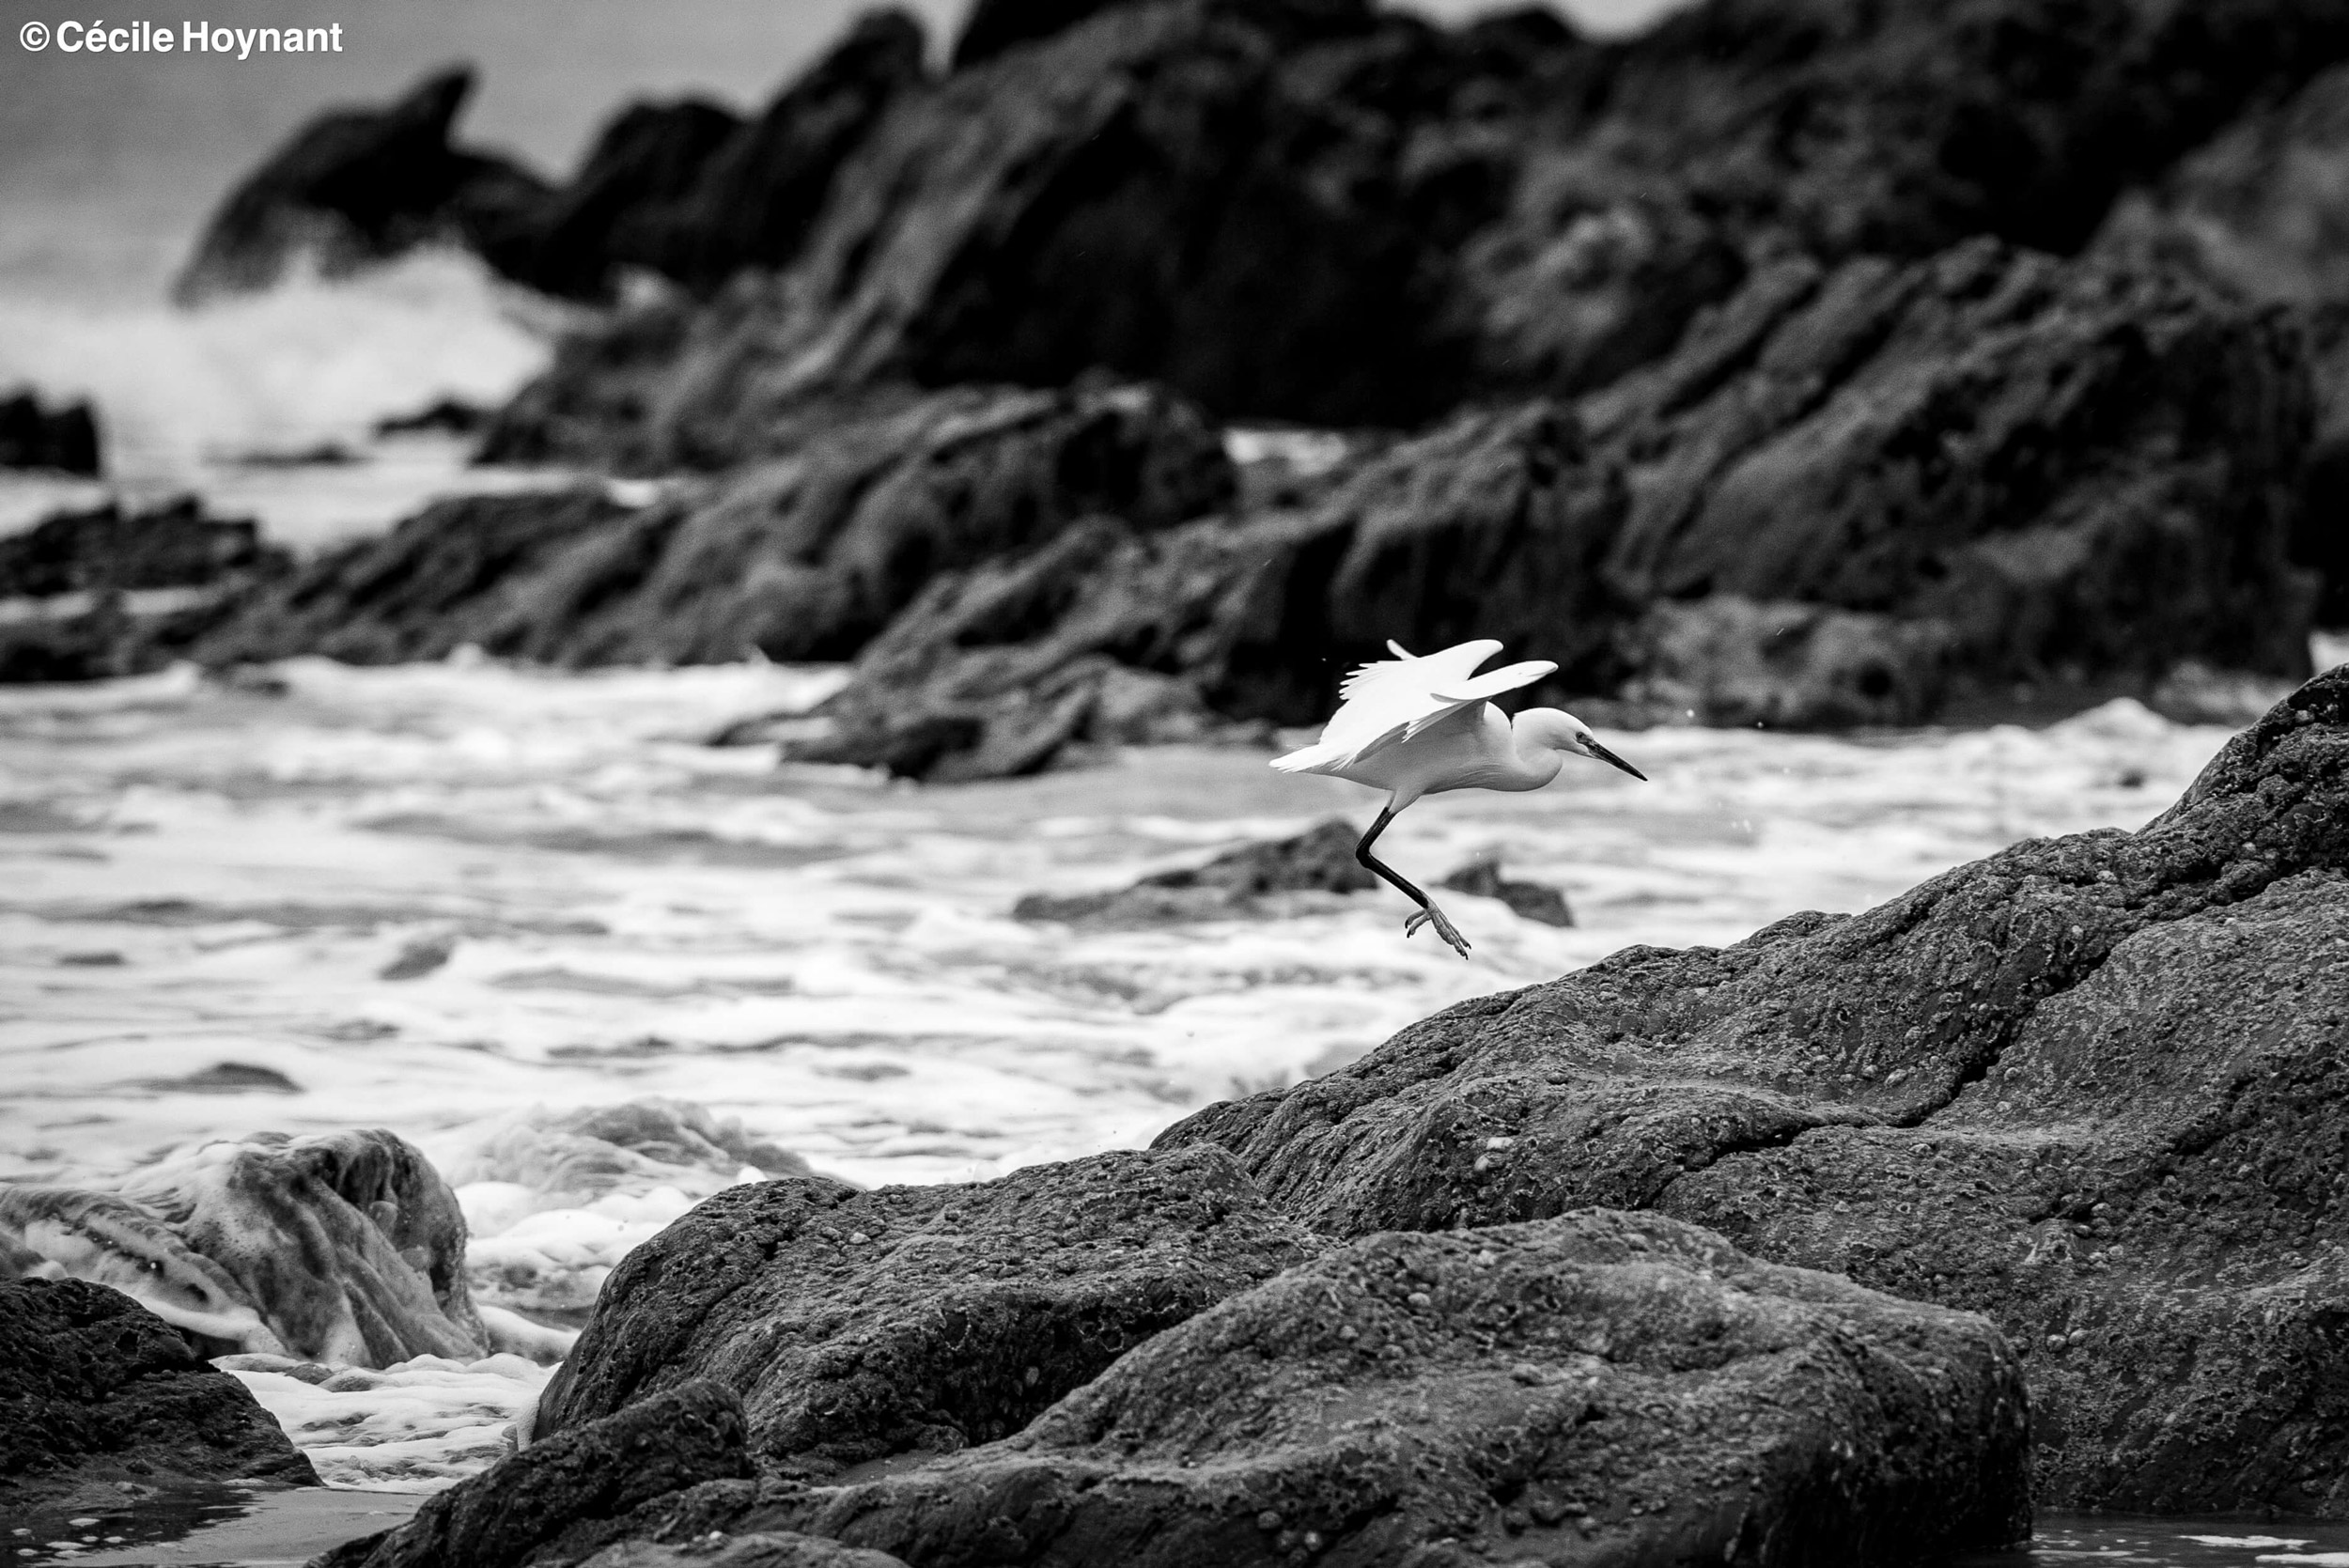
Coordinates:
(2080,1086)
(1599,1387)
(341,1246)
(860,1325)
(1242,883)
(100,1398)
(358,186)
(555,1500)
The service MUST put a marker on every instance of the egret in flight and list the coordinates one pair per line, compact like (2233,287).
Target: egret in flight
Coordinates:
(1420,726)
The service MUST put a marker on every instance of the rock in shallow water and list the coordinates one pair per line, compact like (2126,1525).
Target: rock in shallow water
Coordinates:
(1239,884)
(97,1391)
(2089,1086)
(341,1246)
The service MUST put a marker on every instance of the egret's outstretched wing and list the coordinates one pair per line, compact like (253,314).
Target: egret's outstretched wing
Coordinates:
(1479,689)
(1395,699)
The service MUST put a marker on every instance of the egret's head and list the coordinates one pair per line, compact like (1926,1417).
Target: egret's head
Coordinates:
(1564,732)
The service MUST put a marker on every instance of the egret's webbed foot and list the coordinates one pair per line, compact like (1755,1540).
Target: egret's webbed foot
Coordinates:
(1444,928)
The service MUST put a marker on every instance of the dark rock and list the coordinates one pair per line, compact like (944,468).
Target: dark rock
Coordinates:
(419,957)
(2260,209)
(324,453)
(1534,901)
(446,417)
(1905,128)
(64,439)
(574,239)
(95,1391)
(459,571)
(1485,526)
(1726,659)
(356,186)
(803,558)
(1199,194)
(1216,195)
(1239,884)
(344,1247)
(2085,1086)
(2080,468)
(523,1508)
(188,569)
(226,1077)
(758,196)
(1600,1388)
(859,1326)
(172,545)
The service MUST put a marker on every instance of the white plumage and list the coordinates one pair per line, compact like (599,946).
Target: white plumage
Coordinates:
(1416,726)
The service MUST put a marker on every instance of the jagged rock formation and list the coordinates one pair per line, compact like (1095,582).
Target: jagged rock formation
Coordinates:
(356,186)
(1846,494)
(803,558)
(2082,1086)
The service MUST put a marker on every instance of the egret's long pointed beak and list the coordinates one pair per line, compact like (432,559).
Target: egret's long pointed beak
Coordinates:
(1612,760)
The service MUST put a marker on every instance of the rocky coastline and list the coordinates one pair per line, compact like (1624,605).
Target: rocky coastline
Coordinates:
(1784,364)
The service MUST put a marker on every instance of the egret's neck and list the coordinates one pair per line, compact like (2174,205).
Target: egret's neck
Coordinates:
(1536,762)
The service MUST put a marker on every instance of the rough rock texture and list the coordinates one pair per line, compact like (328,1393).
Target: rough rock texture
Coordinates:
(861,1324)
(343,1246)
(355,186)
(538,1502)
(2089,1086)
(1597,1388)
(95,1389)
(172,545)
(803,558)
(64,439)
(1239,884)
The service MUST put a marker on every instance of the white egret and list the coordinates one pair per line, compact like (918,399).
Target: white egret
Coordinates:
(1420,726)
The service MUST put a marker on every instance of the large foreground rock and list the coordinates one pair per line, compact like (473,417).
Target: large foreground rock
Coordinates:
(805,556)
(2089,1086)
(1597,1388)
(98,1393)
(356,186)
(857,1326)
(346,1247)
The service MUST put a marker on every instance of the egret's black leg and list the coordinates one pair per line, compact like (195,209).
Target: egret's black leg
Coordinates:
(1427,911)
